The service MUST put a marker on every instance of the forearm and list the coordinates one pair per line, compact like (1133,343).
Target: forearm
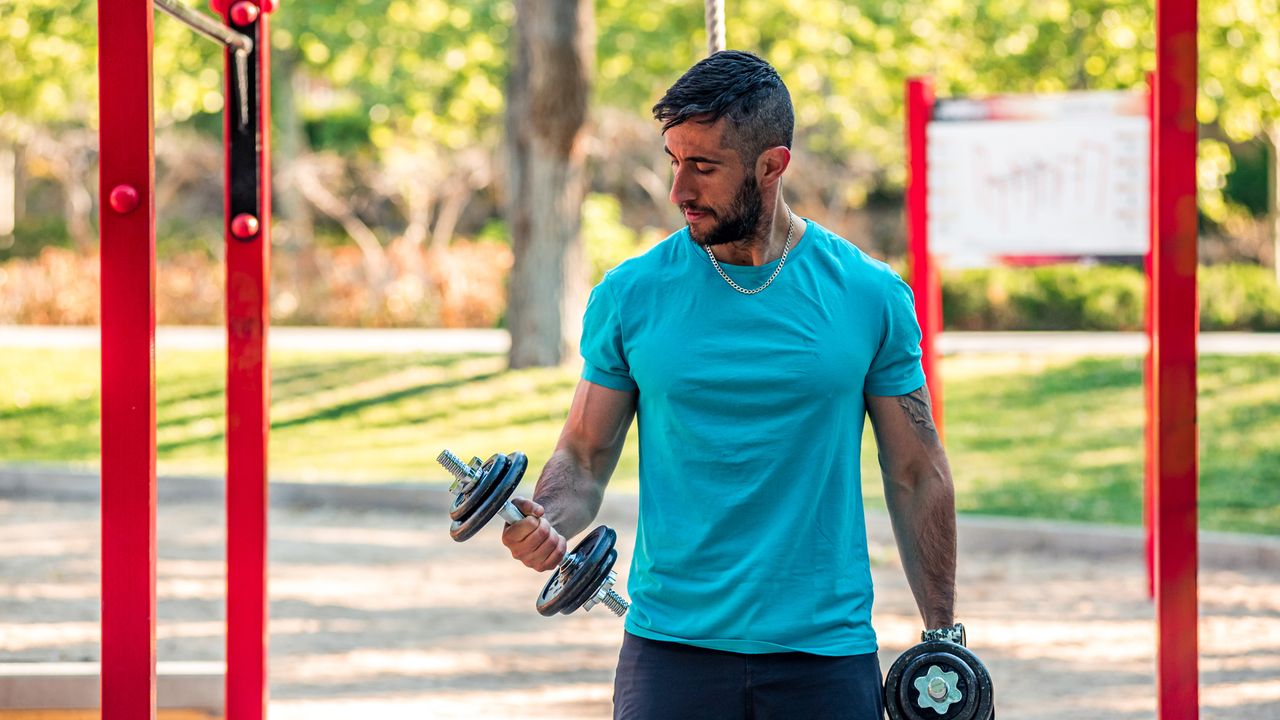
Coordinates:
(571,489)
(921,501)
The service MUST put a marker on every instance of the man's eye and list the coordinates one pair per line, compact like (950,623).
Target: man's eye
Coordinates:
(704,169)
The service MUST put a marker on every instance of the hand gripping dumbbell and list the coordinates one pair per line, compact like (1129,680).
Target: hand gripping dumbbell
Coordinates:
(480,491)
(939,680)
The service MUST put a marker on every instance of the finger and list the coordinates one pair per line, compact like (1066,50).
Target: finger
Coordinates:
(558,555)
(528,545)
(527,507)
(548,554)
(517,535)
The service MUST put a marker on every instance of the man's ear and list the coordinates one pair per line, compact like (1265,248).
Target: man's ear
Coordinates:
(771,164)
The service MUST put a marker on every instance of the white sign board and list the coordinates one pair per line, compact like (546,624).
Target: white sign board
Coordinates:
(1039,175)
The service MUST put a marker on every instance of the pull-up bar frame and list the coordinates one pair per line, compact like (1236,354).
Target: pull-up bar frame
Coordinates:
(1172,472)
(201,23)
(239,42)
(128,259)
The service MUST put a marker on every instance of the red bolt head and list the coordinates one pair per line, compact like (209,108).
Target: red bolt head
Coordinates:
(244,226)
(123,198)
(244,13)
(220,6)
(268,5)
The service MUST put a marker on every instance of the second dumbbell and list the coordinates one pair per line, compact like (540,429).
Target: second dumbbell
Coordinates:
(482,490)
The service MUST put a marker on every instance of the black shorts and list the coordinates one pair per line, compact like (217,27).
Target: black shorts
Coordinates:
(672,681)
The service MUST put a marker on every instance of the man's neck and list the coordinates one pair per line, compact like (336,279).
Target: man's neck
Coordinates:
(763,247)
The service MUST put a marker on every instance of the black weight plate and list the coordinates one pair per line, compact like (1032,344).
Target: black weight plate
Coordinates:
(593,584)
(974,683)
(549,600)
(603,567)
(465,503)
(555,595)
(493,501)
(592,552)
(946,661)
(986,706)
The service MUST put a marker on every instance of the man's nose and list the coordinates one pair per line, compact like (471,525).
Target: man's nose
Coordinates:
(682,190)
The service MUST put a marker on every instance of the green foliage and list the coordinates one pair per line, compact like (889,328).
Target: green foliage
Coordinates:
(48,60)
(32,235)
(1238,297)
(339,131)
(425,78)
(1246,184)
(422,70)
(1239,55)
(1053,297)
(1027,436)
(1100,297)
(49,63)
(606,239)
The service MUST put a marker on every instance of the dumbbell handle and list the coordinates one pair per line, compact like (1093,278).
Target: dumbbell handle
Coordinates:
(510,513)
(466,474)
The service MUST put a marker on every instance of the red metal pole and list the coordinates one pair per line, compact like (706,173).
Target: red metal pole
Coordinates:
(128,324)
(248,244)
(924,272)
(1174,260)
(1150,467)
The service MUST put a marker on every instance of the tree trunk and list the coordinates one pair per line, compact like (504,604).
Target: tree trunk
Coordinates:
(290,141)
(547,93)
(78,199)
(8,193)
(1272,135)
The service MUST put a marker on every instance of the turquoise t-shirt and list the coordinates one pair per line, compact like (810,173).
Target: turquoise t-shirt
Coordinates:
(751,536)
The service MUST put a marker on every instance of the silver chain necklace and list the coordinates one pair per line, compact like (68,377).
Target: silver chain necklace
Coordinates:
(791,227)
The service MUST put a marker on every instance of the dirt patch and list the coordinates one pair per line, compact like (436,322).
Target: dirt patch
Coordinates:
(378,614)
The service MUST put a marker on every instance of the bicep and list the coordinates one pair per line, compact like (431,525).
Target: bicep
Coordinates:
(599,418)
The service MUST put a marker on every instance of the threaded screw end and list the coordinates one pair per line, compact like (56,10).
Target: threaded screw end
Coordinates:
(463,473)
(615,602)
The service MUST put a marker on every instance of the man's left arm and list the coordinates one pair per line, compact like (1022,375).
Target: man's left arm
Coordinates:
(921,499)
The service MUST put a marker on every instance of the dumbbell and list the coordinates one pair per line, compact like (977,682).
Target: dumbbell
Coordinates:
(939,680)
(481,490)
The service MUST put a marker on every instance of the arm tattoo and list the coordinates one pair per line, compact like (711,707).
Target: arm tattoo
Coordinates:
(917,407)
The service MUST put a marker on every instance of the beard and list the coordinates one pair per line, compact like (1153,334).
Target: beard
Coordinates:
(736,223)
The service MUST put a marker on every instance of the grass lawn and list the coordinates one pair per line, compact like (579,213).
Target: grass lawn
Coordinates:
(1029,436)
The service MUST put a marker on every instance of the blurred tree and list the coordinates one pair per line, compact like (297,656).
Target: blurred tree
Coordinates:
(413,86)
(49,92)
(413,89)
(1240,92)
(548,90)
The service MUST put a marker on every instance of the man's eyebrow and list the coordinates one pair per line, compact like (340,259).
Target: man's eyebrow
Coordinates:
(694,158)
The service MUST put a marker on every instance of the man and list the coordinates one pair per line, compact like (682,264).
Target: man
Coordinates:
(750,344)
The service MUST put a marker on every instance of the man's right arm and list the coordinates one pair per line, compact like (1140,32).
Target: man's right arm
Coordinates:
(571,488)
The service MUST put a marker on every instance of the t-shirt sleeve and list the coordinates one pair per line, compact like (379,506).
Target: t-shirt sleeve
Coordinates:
(896,369)
(603,354)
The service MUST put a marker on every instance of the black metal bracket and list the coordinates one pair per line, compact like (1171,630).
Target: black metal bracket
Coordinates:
(244,144)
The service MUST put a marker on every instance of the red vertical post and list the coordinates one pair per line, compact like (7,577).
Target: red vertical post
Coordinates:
(248,245)
(924,272)
(1176,320)
(1150,465)
(128,325)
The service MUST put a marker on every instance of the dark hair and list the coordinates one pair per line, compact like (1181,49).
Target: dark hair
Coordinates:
(738,85)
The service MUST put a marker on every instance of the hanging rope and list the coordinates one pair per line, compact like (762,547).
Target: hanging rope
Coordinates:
(715,26)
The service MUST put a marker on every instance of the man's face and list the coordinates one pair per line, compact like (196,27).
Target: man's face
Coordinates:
(719,197)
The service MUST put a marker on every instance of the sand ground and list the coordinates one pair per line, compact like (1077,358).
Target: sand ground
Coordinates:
(377,613)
